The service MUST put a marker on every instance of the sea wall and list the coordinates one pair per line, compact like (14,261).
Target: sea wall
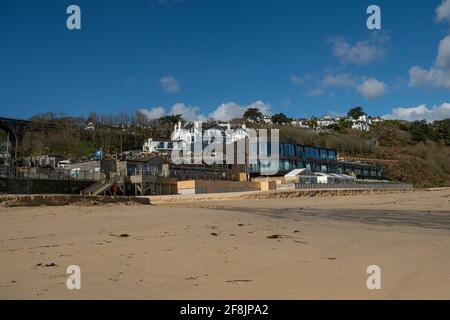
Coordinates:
(215,186)
(61,200)
(43,186)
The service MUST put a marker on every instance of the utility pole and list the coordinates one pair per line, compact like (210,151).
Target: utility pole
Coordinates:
(7,149)
(121,150)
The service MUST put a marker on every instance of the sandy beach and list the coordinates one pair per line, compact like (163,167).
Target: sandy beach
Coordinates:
(300,248)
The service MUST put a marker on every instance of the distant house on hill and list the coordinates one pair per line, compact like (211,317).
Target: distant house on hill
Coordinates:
(89,126)
(326,121)
(193,133)
(300,122)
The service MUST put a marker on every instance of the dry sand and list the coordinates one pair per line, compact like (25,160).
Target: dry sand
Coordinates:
(227,249)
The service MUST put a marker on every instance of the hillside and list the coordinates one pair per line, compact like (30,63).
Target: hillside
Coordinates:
(417,152)
(413,152)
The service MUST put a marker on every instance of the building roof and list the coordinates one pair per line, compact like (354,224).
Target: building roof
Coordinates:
(299,172)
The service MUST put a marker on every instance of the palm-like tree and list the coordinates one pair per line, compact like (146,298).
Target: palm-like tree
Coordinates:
(253,114)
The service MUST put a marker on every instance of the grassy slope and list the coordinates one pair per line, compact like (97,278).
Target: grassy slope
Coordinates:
(424,163)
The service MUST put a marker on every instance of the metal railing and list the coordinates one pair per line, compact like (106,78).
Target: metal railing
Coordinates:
(182,173)
(48,173)
(356,185)
(151,171)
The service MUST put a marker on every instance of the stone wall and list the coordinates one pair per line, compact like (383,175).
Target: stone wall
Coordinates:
(63,200)
(42,186)
(215,186)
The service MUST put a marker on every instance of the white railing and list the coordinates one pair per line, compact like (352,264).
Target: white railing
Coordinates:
(347,186)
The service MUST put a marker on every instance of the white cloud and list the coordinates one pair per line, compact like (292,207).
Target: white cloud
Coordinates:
(443,56)
(224,112)
(372,88)
(369,88)
(362,52)
(231,110)
(339,80)
(437,76)
(315,92)
(265,108)
(421,113)
(297,80)
(443,11)
(169,84)
(189,113)
(227,112)
(154,113)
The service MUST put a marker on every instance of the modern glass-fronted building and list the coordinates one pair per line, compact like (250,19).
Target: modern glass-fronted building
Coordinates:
(363,170)
(297,156)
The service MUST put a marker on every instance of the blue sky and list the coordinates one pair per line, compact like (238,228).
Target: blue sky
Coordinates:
(214,58)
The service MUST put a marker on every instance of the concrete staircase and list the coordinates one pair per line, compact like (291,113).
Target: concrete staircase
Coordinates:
(97,188)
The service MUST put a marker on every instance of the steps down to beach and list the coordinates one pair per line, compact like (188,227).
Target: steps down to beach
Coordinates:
(97,188)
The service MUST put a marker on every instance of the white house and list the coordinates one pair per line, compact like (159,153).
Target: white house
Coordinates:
(89,126)
(267,119)
(300,122)
(193,133)
(360,125)
(161,146)
(326,121)
(375,120)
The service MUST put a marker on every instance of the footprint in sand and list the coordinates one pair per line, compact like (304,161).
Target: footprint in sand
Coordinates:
(116,277)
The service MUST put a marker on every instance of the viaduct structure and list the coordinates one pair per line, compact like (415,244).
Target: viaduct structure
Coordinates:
(16,129)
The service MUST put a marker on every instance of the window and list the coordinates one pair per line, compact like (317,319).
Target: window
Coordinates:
(263,148)
(331,155)
(300,164)
(265,164)
(312,152)
(253,166)
(299,151)
(286,149)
